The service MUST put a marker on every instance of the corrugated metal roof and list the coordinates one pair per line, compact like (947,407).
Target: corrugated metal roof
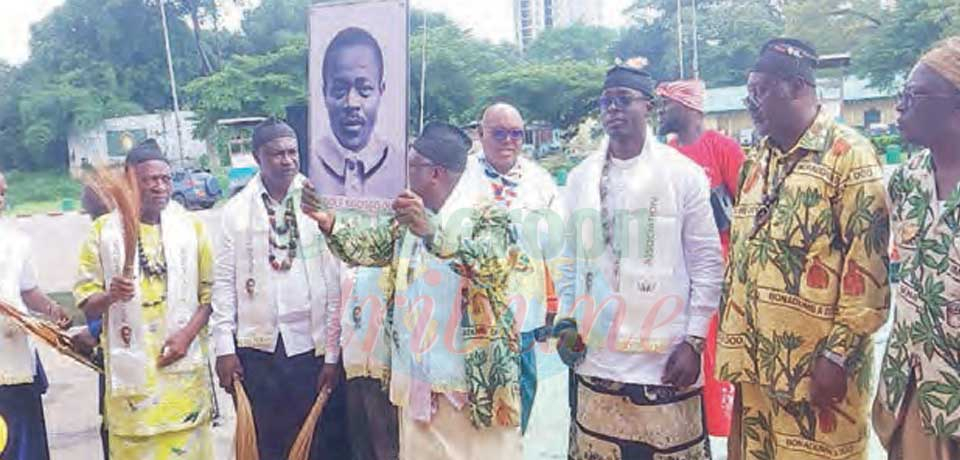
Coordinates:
(730,98)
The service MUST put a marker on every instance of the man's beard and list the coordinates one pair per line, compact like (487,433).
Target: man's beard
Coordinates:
(668,126)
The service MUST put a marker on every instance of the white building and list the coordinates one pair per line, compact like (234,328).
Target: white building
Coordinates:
(531,17)
(108,142)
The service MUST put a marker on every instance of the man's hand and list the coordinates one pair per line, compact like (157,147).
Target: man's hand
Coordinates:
(570,345)
(228,370)
(412,214)
(84,342)
(121,290)
(329,378)
(174,349)
(828,383)
(60,317)
(311,206)
(683,367)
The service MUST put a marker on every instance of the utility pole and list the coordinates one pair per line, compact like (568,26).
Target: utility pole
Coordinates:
(173,80)
(423,71)
(680,36)
(696,50)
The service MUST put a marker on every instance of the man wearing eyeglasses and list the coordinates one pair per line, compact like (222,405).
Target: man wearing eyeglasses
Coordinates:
(914,412)
(501,175)
(640,287)
(454,350)
(807,281)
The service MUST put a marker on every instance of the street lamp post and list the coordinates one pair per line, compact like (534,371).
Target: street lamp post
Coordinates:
(173,79)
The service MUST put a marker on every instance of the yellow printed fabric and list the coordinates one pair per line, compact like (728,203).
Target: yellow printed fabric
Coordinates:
(922,355)
(811,278)
(173,420)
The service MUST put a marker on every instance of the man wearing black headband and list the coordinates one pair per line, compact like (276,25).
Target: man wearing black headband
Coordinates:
(642,285)
(276,296)
(454,351)
(807,284)
(158,397)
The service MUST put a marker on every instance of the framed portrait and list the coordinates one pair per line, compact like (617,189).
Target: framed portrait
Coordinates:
(358,102)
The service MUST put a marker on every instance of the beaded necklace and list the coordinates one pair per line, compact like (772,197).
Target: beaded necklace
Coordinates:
(283,235)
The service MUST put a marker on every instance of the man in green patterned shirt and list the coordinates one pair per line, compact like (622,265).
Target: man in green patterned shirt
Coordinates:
(454,351)
(916,406)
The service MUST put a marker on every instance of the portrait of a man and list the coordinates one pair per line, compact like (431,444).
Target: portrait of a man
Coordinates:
(352,159)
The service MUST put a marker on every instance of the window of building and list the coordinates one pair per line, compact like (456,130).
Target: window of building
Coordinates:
(871,117)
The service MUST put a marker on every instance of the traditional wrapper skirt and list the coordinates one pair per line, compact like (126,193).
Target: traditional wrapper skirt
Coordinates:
(623,421)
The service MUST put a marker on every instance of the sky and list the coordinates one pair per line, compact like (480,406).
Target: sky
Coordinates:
(490,19)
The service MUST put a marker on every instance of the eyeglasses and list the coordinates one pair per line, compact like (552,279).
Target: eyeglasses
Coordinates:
(621,101)
(908,98)
(424,164)
(502,134)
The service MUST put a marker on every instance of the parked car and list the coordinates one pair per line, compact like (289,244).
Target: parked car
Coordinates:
(195,188)
(238,179)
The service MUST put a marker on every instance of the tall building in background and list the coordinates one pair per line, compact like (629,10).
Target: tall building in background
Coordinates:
(531,17)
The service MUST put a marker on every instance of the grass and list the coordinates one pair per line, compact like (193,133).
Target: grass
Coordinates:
(37,192)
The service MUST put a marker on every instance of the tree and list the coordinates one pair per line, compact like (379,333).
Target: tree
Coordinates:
(199,12)
(261,84)
(455,62)
(832,26)
(274,24)
(574,43)
(904,34)
(561,93)
(730,35)
(90,59)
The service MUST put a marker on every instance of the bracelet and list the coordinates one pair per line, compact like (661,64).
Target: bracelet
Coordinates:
(697,343)
(835,358)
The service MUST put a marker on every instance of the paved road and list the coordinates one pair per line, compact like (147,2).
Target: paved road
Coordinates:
(73,421)
(71,403)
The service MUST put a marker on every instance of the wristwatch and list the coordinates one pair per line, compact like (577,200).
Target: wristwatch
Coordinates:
(698,343)
(835,358)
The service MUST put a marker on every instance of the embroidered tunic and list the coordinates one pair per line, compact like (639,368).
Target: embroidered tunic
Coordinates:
(172,401)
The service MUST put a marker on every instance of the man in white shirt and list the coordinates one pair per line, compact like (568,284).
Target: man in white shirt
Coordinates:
(276,288)
(22,380)
(642,284)
(499,174)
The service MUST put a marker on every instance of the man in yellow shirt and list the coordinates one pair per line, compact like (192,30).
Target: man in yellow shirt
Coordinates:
(806,283)
(158,386)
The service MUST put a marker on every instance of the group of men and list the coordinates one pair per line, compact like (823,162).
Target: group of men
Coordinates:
(485,298)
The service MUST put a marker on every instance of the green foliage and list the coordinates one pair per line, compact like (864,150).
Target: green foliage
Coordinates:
(90,59)
(904,34)
(730,33)
(456,61)
(274,24)
(29,187)
(94,59)
(248,85)
(574,43)
(561,92)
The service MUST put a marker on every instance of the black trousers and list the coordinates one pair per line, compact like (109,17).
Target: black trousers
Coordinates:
(282,389)
(374,429)
(21,410)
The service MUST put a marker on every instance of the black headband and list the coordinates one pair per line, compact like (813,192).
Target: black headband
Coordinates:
(445,145)
(270,129)
(788,58)
(148,150)
(628,77)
